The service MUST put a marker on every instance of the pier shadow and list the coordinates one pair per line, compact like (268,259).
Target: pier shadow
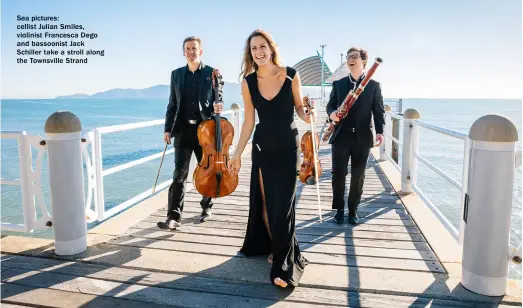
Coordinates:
(327,229)
(459,296)
(237,282)
(122,270)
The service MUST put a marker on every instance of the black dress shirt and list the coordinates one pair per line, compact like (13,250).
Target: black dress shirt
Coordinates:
(353,112)
(191,108)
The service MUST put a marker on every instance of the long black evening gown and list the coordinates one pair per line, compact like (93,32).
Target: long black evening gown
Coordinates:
(275,152)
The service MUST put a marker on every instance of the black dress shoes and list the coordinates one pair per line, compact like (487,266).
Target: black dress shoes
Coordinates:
(353,218)
(171,223)
(206,215)
(338,218)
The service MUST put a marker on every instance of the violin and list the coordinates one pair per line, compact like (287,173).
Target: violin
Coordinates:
(310,169)
(211,177)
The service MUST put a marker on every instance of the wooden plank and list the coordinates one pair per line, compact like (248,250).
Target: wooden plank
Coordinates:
(364,274)
(136,294)
(234,209)
(302,214)
(236,237)
(309,232)
(326,187)
(369,220)
(369,258)
(386,249)
(326,228)
(302,295)
(324,196)
(32,296)
(303,203)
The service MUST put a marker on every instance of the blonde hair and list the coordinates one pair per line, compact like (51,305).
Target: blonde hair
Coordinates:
(248,64)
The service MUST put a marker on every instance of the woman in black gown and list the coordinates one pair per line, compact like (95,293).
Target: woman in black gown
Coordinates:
(274,91)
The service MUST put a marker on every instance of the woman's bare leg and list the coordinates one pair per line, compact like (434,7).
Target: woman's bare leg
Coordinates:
(264,210)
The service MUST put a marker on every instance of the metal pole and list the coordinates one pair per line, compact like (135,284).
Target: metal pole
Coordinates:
(341,57)
(322,94)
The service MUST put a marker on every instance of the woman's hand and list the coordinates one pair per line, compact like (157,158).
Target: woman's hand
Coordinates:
(306,117)
(235,165)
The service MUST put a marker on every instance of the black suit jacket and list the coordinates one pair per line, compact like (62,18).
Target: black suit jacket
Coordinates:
(205,97)
(370,103)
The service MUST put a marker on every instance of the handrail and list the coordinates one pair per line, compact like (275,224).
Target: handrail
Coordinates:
(135,162)
(413,139)
(95,172)
(440,172)
(445,131)
(129,126)
(416,157)
(100,173)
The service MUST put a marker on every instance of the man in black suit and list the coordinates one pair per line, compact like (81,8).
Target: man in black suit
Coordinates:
(353,137)
(191,101)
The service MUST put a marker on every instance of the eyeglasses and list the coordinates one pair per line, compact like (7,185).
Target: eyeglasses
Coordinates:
(353,56)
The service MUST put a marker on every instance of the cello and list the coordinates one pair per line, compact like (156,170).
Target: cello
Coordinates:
(310,169)
(211,177)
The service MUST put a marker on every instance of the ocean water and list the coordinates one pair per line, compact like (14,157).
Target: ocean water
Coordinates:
(121,147)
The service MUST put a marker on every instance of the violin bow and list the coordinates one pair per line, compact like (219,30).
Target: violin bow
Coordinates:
(315,154)
(161,162)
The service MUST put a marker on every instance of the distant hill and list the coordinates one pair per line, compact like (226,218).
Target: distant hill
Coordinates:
(73,96)
(231,92)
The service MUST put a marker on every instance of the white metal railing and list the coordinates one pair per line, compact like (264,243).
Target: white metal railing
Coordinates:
(30,183)
(30,178)
(489,162)
(100,173)
(410,157)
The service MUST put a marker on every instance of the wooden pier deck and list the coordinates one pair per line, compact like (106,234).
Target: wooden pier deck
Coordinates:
(388,260)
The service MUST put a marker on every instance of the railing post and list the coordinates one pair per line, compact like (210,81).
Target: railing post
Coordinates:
(66,181)
(99,195)
(386,139)
(395,132)
(236,109)
(407,157)
(488,205)
(25,162)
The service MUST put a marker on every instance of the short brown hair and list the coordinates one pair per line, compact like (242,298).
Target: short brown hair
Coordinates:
(363,54)
(192,38)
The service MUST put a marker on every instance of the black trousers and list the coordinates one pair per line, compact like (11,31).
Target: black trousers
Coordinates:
(184,146)
(358,154)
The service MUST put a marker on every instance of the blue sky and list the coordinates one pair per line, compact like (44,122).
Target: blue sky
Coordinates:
(431,49)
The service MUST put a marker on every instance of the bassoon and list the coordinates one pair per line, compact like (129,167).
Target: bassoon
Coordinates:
(347,104)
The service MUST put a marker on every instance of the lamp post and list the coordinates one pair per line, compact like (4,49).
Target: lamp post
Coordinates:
(322,94)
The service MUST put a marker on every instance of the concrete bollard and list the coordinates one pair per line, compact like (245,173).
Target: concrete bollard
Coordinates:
(386,140)
(488,205)
(66,180)
(409,150)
